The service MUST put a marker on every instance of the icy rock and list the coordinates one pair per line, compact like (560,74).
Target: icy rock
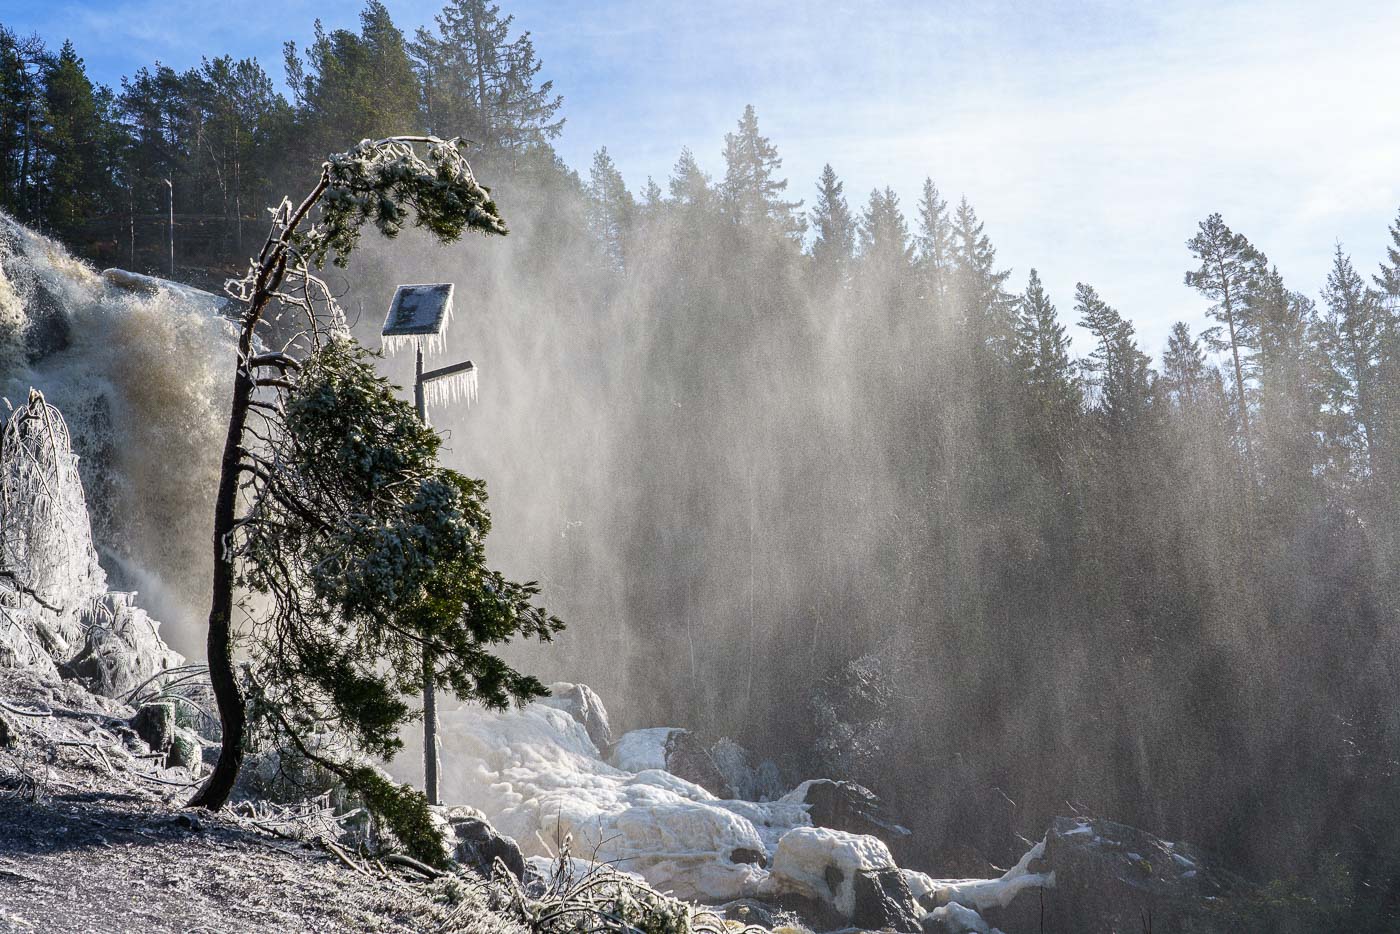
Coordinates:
(7,733)
(984,894)
(583,704)
(853,808)
(122,647)
(855,874)
(680,752)
(747,781)
(478,845)
(186,751)
(1118,874)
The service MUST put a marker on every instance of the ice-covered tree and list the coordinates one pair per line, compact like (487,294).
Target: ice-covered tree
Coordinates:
(331,505)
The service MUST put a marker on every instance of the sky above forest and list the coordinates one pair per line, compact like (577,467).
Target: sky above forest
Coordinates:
(1090,137)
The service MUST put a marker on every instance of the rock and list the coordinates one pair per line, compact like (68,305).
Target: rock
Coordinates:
(746,855)
(8,733)
(852,874)
(155,724)
(854,809)
(478,845)
(956,919)
(748,911)
(747,781)
(122,647)
(687,758)
(1119,875)
(186,751)
(680,752)
(584,705)
(883,901)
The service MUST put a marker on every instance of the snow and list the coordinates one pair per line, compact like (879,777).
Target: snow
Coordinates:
(995,893)
(959,920)
(641,749)
(807,856)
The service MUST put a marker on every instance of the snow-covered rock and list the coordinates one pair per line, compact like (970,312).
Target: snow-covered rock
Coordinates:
(56,614)
(583,704)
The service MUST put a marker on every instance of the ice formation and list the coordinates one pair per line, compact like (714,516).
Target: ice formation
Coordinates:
(56,614)
(140,370)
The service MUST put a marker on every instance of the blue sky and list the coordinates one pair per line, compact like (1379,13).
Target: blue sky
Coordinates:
(1091,137)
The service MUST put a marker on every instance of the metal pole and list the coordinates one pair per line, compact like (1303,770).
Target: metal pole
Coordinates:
(169,184)
(430,750)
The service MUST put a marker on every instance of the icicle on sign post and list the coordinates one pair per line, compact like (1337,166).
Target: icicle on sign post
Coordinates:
(418,313)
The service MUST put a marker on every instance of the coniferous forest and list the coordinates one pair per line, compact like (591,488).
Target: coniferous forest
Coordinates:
(823,472)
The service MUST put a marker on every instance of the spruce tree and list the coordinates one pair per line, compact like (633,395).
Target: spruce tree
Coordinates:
(835,242)
(1183,366)
(751,189)
(612,209)
(885,251)
(1352,334)
(1042,351)
(689,184)
(1118,369)
(934,245)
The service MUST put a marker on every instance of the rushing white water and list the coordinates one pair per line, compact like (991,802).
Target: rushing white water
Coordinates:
(141,379)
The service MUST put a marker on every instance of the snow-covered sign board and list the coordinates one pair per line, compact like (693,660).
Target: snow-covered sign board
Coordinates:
(418,312)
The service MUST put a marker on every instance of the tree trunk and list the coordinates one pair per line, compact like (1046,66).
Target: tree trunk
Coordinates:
(215,791)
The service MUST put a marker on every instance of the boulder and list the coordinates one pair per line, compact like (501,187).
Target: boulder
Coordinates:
(747,781)
(687,757)
(854,809)
(583,704)
(155,724)
(671,749)
(478,845)
(852,874)
(186,751)
(1115,875)
(8,733)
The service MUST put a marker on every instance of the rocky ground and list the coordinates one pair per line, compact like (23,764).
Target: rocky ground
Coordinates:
(93,838)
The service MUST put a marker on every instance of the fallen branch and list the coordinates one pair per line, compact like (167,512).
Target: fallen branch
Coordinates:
(398,859)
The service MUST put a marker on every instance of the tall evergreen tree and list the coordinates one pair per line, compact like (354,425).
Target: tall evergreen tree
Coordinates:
(1229,264)
(835,242)
(78,156)
(885,250)
(480,84)
(934,245)
(1117,368)
(1352,335)
(987,309)
(1184,366)
(350,86)
(689,184)
(1042,350)
(752,189)
(612,209)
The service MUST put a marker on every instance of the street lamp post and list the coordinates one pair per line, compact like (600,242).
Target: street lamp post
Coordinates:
(420,312)
(171,185)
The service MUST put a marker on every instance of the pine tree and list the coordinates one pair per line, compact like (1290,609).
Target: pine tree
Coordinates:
(751,189)
(979,286)
(1388,278)
(689,184)
(885,251)
(1229,264)
(479,84)
(1183,366)
(1352,345)
(22,61)
(612,209)
(835,242)
(77,158)
(934,245)
(352,86)
(1042,351)
(1288,413)
(1117,369)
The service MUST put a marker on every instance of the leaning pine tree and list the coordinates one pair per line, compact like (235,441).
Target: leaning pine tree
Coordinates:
(362,552)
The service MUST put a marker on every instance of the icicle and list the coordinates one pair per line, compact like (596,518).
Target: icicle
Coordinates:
(449,390)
